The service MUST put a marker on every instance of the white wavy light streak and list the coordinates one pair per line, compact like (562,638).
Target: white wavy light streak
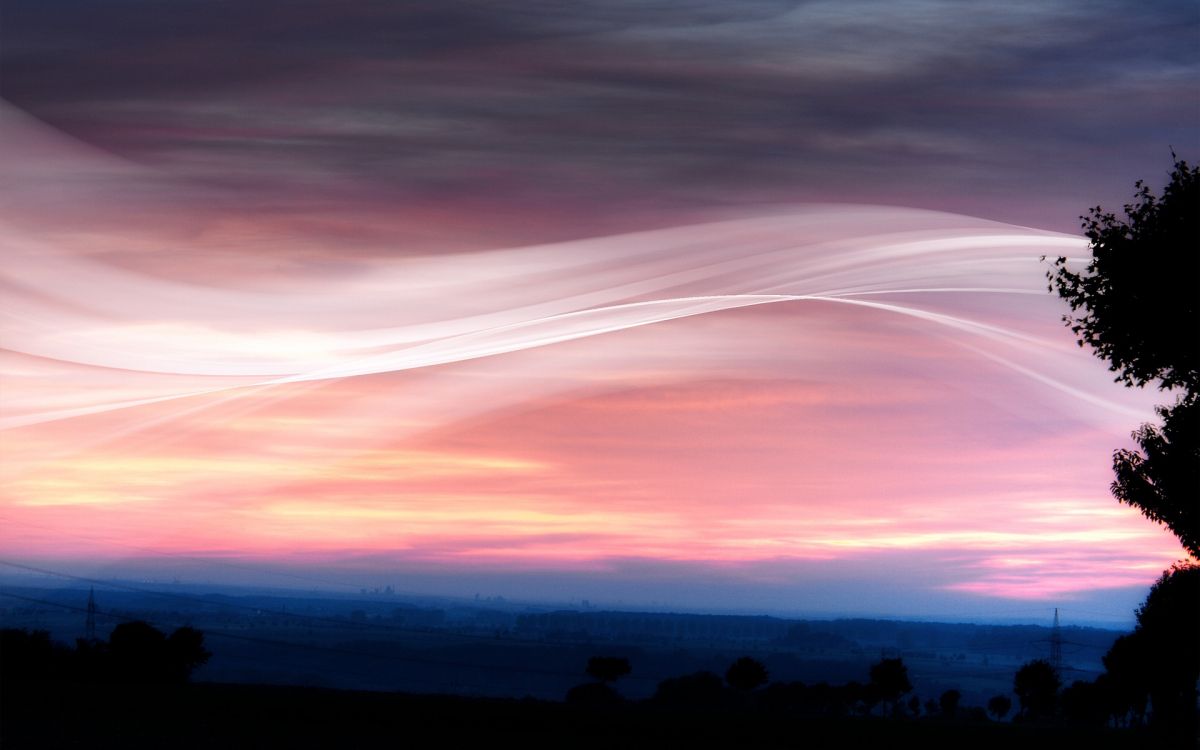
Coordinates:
(177,339)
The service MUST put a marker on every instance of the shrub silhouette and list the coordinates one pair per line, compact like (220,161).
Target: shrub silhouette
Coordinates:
(1036,685)
(1128,679)
(29,656)
(746,674)
(186,652)
(140,652)
(1158,664)
(914,705)
(999,706)
(1085,703)
(603,669)
(889,681)
(608,668)
(948,703)
(136,652)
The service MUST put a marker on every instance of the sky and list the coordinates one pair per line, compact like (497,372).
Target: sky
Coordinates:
(697,305)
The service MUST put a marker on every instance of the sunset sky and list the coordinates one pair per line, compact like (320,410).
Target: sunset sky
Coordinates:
(706,305)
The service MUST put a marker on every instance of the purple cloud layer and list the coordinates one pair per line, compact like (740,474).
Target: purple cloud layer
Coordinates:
(1025,112)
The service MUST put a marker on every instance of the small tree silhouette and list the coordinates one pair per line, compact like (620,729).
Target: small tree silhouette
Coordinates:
(1128,677)
(889,678)
(914,705)
(746,674)
(608,669)
(27,656)
(948,703)
(1036,685)
(999,706)
(602,669)
(1158,664)
(186,652)
(141,653)
(1085,703)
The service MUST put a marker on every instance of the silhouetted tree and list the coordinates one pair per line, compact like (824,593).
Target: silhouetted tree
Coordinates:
(999,706)
(1084,703)
(186,652)
(948,703)
(603,669)
(869,696)
(1137,297)
(914,705)
(889,677)
(140,652)
(608,669)
(91,660)
(1162,479)
(746,674)
(1036,685)
(29,656)
(1128,679)
(1139,306)
(1159,662)
(856,697)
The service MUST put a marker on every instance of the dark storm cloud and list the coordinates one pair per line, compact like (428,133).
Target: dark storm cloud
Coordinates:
(556,104)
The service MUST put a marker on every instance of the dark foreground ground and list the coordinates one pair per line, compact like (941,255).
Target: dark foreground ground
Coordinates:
(249,716)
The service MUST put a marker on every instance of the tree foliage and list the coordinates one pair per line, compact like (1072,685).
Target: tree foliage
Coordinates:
(1036,685)
(1169,632)
(746,674)
(889,680)
(1154,669)
(136,652)
(144,654)
(1135,303)
(1163,478)
(948,703)
(999,706)
(608,668)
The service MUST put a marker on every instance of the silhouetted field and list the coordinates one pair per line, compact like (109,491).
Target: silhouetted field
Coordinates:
(254,716)
(493,650)
(629,679)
